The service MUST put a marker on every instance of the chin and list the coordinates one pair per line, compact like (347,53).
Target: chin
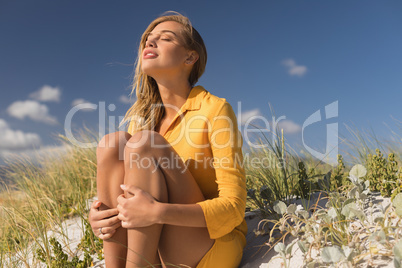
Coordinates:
(148,70)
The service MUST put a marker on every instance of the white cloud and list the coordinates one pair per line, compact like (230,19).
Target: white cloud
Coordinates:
(82,101)
(293,68)
(247,115)
(3,124)
(47,93)
(32,109)
(79,101)
(289,127)
(126,100)
(16,139)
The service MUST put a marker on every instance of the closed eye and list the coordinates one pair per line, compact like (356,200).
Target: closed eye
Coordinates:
(166,37)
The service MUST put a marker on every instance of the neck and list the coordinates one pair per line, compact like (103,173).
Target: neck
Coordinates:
(174,95)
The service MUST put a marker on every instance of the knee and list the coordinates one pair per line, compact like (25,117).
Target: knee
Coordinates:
(111,146)
(139,147)
(144,141)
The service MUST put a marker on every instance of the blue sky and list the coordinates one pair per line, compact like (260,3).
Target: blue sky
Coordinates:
(297,56)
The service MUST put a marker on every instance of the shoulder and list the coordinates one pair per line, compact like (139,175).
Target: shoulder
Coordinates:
(216,110)
(213,104)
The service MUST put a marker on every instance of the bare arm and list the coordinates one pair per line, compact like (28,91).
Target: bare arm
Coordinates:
(140,209)
(190,215)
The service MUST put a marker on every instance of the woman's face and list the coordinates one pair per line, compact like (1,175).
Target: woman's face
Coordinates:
(164,52)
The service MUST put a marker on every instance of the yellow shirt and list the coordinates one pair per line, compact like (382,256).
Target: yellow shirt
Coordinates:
(205,135)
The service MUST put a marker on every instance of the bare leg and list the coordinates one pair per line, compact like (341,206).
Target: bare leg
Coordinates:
(140,171)
(173,184)
(110,174)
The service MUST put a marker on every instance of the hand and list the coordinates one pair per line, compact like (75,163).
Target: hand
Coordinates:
(138,209)
(105,219)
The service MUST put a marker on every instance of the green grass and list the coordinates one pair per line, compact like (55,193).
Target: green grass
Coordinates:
(44,195)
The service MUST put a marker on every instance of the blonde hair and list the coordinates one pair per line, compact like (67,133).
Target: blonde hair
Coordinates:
(148,110)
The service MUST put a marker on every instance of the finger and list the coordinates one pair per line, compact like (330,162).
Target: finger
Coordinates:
(108,213)
(116,225)
(106,236)
(121,218)
(94,208)
(108,222)
(96,204)
(106,228)
(124,224)
(104,214)
(110,229)
(130,189)
(119,208)
(104,223)
(121,199)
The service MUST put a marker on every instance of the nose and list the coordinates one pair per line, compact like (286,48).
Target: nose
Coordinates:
(150,42)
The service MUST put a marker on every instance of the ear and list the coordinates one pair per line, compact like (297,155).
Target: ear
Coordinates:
(192,57)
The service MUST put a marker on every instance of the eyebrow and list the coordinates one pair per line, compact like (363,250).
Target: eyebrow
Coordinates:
(165,31)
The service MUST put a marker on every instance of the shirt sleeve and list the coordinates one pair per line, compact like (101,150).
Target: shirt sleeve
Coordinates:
(225,212)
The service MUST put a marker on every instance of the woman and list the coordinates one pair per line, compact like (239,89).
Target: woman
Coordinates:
(172,190)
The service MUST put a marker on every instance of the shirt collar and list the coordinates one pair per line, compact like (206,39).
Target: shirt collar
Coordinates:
(194,99)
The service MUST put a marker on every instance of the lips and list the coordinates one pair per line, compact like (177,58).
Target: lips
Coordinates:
(149,54)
